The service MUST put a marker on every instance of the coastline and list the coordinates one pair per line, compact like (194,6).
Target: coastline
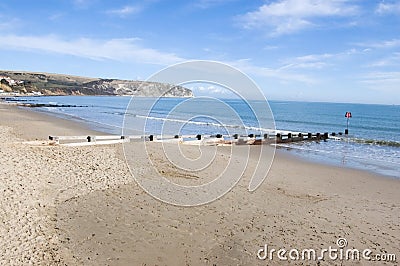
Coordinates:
(81,206)
(319,159)
(38,125)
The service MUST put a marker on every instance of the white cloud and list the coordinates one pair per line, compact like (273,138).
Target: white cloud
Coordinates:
(125,11)
(270,47)
(309,65)
(205,4)
(319,61)
(8,23)
(114,49)
(391,60)
(280,74)
(311,61)
(382,44)
(387,82)
(83,4)
(313,57)
(56,16)
(287,16)
(210,90)
(388,8)
(299,69)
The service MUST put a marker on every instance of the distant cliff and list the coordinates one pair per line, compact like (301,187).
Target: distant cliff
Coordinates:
(58,84)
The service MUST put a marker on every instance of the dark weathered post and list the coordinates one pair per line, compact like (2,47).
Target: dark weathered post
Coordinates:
(236,136)
(278,137)
(151,137)
(198,137)
(265,136)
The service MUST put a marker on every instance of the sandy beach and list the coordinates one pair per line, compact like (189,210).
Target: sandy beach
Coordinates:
(81,206)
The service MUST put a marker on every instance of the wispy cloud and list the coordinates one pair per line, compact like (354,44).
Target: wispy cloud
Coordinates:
(125,11)
(83,4)
(288,16)
(281,74)
(388,8)
(392,60)
(114,49)
(8,23)
(313,57)
(270,47)
(205,4)
(56,16)
(387,82)
(211,90)
(318,61)
(309,65)
(381,44)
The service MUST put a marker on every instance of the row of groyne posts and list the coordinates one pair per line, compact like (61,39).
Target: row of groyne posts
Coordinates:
(250,139)
(278,137)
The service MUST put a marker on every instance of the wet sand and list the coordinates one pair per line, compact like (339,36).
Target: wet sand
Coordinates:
(81,205)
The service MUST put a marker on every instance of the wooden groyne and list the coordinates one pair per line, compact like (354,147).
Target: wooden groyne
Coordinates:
(88,140)
(217,139)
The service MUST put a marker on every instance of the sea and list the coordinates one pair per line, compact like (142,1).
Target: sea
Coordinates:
(373,142)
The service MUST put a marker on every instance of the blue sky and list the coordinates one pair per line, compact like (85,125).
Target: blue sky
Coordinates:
(313,50)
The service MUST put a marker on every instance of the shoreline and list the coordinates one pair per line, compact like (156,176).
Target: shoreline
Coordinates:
(94,128)
(44,123)
(296,155)
(61,123)
(80,205)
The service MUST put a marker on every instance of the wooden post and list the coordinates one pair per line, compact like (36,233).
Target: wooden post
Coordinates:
(198,137)
(91,138)
(265,136)
(309,135)
(236,136)
(251,135)
(289,135)
(219,136)
(278,137)
(151,137)
(176,136)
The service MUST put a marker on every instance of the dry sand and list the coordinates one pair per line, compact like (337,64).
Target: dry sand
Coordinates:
(81,206)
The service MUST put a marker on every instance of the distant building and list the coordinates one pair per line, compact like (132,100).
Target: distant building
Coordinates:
(11,82)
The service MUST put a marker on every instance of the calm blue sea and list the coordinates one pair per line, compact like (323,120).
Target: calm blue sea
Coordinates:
(373,142)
